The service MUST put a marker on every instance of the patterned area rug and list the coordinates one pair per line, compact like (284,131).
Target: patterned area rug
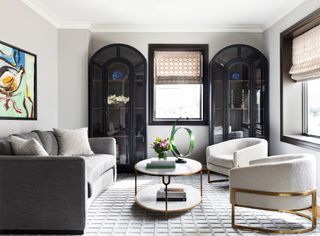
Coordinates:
(115,213)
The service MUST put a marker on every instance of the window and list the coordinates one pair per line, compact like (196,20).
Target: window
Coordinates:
(178,84)
(300,83)
(312,108)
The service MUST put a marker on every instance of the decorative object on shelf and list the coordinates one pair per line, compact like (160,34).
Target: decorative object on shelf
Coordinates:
(173,194)
(161,147)
(117,75)
(235,76)
(174,149)
(242,98)
(17,83)
(161,164)
(232,98)
(118,100)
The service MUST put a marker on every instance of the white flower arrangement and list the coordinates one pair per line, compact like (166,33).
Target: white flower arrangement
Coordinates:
(118,100)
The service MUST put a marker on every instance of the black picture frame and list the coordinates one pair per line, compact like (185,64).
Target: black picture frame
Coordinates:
(5,68)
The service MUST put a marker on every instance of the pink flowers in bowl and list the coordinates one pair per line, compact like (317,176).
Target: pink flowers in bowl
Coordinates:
(161,146)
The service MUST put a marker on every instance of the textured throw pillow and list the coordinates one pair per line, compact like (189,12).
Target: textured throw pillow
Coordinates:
(73,142)
(27,147)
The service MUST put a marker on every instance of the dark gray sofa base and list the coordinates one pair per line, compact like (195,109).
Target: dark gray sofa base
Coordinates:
(65,232)
(49,195)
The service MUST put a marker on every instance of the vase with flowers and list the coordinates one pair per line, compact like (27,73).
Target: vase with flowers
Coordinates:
(161,147)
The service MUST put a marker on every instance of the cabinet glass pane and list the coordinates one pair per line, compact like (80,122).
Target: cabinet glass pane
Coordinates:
(217,104)
(239,101)
(96,88)
(139,137)
(226,55)
(118,108)
(259,105)
(105,55)
(134,57)
(97,122)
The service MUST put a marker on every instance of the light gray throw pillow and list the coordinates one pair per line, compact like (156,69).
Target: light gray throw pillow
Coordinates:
(73,142)
(27,147)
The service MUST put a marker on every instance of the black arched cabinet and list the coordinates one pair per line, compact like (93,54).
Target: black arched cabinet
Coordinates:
(117,101)
(239,94)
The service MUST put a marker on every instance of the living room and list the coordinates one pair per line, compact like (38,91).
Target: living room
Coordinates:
(97,69)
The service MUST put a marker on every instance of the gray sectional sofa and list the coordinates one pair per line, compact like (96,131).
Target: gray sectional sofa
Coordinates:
(52,194)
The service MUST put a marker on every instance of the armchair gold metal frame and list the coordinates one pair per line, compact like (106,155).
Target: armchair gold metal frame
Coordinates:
(313,207)
(216,180)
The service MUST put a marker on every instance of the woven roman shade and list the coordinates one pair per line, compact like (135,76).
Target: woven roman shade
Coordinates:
(306,56)
(178,67)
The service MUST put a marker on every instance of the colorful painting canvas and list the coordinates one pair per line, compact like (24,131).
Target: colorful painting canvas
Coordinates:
(17,83)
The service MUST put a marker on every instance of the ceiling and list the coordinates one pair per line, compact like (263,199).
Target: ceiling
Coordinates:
(164,15)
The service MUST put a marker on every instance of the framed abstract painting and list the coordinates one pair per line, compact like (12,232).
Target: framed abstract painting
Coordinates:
(18,83)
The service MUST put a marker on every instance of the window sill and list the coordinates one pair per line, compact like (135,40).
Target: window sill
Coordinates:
(302,141)
(181,122)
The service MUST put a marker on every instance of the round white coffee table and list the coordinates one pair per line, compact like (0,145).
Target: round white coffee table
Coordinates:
(146,197)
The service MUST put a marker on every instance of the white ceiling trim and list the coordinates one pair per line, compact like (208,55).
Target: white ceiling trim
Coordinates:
(175,28)
(54,20)
(282,12)
(45,13)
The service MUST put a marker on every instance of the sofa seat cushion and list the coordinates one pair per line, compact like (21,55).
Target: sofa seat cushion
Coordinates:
(224,160)
(97,165)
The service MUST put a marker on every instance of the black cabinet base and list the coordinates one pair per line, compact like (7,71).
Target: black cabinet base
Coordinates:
(21,231)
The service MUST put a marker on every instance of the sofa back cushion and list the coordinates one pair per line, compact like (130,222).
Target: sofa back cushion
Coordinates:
(5,147)
(29,147)
(28,136)
(49,141)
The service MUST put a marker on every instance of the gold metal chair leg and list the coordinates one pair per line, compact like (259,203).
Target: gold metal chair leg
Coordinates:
(214,181)
(313,218)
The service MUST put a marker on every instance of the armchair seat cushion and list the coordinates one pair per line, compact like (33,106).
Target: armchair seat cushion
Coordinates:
(224,160)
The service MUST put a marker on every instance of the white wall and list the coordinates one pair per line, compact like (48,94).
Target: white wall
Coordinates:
(73,78)
(140,41)
(23,28)
(272,49)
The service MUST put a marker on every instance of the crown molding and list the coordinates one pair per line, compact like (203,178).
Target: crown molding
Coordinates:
(44,13)
(99,28)
(280,13)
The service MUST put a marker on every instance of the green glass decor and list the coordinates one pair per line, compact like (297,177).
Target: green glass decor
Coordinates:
(174,148)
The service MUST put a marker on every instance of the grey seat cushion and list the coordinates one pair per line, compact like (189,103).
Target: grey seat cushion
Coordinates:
(96,165)
(5,147)
(49,141)
(223,160)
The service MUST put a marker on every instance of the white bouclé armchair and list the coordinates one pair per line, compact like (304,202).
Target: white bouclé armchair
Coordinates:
(233,153)
(285,183)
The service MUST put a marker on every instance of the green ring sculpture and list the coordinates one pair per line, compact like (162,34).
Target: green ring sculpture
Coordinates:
(174,148)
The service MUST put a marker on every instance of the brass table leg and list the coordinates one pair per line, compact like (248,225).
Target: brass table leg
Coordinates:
(135,183)
(201,186)
(166,191)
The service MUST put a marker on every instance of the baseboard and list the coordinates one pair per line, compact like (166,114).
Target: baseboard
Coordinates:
(21,231)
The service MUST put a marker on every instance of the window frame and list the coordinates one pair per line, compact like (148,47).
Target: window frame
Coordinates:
(286,37)
(305,111)
(203,48)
